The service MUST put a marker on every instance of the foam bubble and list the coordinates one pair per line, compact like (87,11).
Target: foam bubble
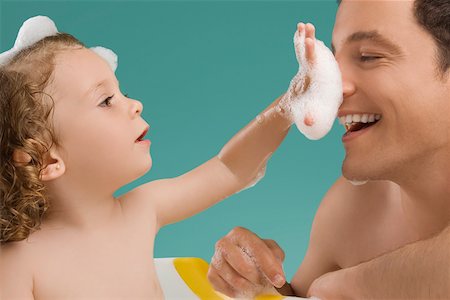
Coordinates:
(260,175)
(32,30)
(39,27)
(315,109)
(358,182)
(108,55)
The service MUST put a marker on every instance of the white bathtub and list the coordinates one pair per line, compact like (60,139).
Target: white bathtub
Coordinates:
(185,278)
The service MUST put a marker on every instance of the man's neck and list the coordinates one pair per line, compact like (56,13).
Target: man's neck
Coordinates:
(425,192)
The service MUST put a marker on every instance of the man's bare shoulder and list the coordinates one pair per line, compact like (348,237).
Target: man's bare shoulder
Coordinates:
(16,275)
(344,199)
(344,218)
(352,219)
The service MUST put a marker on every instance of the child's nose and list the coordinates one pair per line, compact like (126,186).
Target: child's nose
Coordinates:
(136,108)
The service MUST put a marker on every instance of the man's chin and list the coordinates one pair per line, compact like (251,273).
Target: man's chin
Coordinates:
(355,174)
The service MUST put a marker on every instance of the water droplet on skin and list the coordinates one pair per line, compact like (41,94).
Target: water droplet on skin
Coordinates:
(279,109)
(260,118)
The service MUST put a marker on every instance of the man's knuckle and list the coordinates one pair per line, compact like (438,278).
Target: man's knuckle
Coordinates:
(239,283)
(238,230)
(271,271)
(267,258)
(270,241)
(279,253)
(246,269)
(219,245)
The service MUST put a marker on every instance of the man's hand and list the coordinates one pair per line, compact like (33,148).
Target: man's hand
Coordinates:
(246,265)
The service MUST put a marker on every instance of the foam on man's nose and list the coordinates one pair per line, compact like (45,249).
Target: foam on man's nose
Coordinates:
(315,108)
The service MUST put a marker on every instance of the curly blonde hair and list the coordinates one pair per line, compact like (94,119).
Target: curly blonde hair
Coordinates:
(25,126)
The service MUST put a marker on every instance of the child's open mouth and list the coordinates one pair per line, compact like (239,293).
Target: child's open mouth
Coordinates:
(141,137)
(356,123)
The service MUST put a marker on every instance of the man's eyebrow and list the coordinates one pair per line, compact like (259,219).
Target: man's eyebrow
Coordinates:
(373,36)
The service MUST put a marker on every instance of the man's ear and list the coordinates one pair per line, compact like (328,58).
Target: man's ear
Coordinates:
(54,166)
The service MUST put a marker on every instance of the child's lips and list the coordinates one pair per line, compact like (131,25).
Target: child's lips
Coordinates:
(144,142)
(141,137)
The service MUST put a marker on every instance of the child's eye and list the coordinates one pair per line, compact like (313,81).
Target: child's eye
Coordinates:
(107,102)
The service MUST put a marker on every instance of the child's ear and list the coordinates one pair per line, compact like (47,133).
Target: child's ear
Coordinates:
(54,166)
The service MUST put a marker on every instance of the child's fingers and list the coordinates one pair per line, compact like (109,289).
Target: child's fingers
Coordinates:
(310,37)
(300,27)
(310,53)
(310,31)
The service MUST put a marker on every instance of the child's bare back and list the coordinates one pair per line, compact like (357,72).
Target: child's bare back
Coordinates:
(113,260)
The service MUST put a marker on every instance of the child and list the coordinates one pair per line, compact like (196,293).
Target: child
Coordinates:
(69,140)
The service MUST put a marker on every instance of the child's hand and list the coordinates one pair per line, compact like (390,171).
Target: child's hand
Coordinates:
(315,92)
(304,40)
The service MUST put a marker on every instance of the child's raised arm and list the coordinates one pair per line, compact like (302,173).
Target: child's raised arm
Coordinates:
(242,160)
(236,166)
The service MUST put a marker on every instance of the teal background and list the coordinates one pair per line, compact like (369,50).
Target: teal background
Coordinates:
(203,69)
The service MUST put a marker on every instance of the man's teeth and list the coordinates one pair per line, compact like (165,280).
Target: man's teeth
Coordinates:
(359,118)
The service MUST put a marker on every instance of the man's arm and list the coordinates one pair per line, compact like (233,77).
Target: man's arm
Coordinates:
(419,270)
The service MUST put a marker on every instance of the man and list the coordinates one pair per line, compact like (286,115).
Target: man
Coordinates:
(388,238)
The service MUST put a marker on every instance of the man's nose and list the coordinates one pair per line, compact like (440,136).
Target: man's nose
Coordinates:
(348,84)
(348,87)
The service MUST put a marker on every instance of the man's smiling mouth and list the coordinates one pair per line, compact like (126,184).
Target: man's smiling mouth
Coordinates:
(356,122)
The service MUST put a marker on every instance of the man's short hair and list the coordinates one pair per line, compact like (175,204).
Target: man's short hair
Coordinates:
(434,17)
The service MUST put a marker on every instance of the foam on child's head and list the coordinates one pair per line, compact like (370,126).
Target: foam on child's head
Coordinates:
(108,55)
(37,28)
(315,109)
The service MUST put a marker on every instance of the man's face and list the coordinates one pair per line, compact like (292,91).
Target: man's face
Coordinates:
(389,68)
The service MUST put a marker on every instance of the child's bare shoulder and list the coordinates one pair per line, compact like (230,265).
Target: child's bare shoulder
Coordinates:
(15,255)
(138,198)
(144,198)
(16,275)
(140,203)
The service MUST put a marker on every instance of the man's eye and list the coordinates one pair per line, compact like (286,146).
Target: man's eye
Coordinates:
(106,102)
(369,58)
